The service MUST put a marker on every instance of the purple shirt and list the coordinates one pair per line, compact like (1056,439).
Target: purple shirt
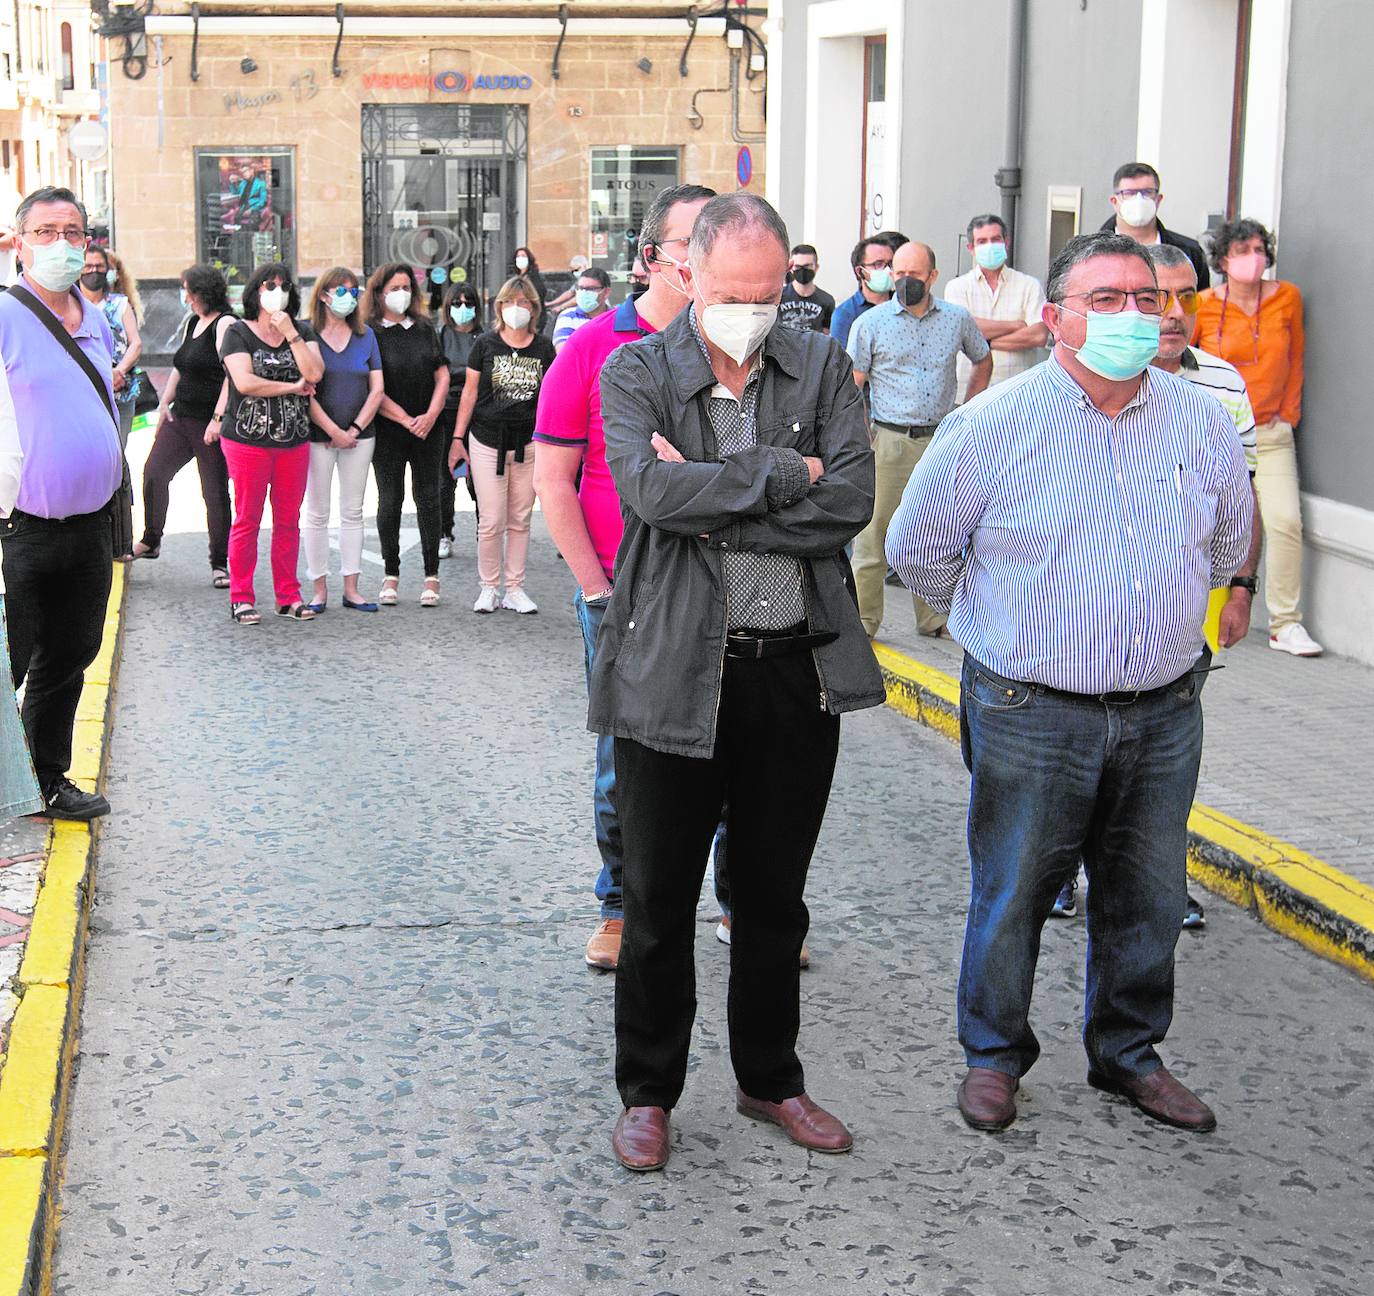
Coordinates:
(72,460)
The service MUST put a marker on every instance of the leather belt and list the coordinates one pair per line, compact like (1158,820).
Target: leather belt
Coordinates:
(913,430)
(756,644)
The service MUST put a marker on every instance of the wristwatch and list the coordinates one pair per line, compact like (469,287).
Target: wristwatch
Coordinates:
(1244,582)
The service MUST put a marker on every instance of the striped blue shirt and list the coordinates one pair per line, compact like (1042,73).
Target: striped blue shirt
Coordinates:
(1072,549)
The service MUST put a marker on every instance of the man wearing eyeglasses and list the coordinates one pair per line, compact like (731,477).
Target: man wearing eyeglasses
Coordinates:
(1074,522)
(871,261)
(1136,199)
(57,538)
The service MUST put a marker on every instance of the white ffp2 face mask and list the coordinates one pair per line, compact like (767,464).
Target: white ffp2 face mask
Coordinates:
(516,317)
(1138,210)
(273,300)
(738,328)
(397,301)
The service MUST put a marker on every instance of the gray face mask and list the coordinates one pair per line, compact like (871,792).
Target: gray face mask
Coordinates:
(911,292)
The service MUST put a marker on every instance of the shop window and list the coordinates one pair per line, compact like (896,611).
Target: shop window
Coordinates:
(68,67)
(245,209)
(624,183)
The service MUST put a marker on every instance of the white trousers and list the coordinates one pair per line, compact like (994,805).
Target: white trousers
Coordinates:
(353,467)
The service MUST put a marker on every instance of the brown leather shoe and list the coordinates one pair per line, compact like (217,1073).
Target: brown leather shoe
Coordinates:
(1160,1096)
(987,1098)
(603,950)
(642,1138)
(804,1121)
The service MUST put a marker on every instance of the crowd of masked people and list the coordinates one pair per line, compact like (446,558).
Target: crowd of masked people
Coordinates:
(732,464)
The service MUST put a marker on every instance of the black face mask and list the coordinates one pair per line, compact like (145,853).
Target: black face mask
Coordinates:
(94,280)
(911,292)
(803,274)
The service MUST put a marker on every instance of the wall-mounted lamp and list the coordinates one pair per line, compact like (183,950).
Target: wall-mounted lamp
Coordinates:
(645,65)
(248,66)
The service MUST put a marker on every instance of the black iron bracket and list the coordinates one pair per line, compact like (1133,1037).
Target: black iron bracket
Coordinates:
(562,36)
(691,36)
(195,42)
(338,40)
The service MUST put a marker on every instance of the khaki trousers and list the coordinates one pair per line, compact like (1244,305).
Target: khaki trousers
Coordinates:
(1276,483)
(894,456)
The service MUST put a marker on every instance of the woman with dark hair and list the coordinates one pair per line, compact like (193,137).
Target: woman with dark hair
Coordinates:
(189,400)
(459,326)
(505,371)
(341,409)
(414,386)
(524,266)
(273,363)
(1257,324)
(100,280)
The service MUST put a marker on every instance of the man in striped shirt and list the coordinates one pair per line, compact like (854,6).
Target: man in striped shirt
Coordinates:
(1074,521)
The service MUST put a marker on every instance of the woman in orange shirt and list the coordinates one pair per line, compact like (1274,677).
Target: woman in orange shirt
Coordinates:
(1256,324)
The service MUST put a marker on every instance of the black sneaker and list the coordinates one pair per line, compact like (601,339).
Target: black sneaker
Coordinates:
(64,800)
(1066,902)
(1193,917)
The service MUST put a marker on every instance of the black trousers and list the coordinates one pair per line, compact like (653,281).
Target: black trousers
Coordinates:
(448,483)
(178,441)
(774,759)
(395,449)
(57,583)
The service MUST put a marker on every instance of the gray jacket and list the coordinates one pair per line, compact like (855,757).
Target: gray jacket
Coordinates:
(656,677)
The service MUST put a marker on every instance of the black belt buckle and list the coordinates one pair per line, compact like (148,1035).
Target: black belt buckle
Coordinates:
(1123,697)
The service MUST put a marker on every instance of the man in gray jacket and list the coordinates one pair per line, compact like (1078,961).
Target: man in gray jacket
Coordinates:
(729,649)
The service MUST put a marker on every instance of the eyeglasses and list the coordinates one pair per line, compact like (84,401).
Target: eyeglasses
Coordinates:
(877,265)
(1126,193)
(1110,301)
(1188,300)
(46,235)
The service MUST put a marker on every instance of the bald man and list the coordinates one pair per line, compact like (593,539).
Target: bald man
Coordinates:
(905,352)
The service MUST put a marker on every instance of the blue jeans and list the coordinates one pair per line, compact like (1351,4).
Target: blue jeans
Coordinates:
(608,882)
(1054,778)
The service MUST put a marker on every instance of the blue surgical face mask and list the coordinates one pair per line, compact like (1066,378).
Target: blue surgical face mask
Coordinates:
(110,277)
(462,315)
(185,300)
(1120,345)
(588,299)
(56,265)
(343,301)
(991,256)
(880,281)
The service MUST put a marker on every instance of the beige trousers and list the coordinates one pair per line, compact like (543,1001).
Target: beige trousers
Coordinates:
(1276,483)
(504,505)
(894,457)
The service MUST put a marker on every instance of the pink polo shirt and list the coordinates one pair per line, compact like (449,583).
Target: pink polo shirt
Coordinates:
(569,414)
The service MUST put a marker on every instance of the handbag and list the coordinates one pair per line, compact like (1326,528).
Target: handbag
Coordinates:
(68,344)
(145,394)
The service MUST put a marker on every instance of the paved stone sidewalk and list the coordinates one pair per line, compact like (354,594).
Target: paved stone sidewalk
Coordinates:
(338,1037)
(1289,741)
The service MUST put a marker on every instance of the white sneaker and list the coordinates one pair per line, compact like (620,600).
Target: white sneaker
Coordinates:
(517,600)
(445,547)
(487,601)
(1294,639)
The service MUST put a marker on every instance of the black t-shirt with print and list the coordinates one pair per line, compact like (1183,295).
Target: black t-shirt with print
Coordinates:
(802,313)
(277,422)
(508,389)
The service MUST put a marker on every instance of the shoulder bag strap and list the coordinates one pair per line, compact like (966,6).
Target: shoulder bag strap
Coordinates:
(67,343)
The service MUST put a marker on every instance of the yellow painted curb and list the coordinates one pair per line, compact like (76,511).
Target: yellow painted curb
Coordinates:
(28,1084)
(36,1076)
(22,1184)
(1289,890)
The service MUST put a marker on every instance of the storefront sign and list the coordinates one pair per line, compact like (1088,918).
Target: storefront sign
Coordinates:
(447,81)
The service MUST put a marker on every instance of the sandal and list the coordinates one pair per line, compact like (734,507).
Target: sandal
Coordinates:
(155,551)
(387,595)
(219,578)
(430,597)
(245,614)
(295,611)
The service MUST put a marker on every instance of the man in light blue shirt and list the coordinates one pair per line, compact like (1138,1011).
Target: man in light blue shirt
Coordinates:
(1074,521)
(905,352)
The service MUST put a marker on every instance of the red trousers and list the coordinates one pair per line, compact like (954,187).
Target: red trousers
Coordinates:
(254,471)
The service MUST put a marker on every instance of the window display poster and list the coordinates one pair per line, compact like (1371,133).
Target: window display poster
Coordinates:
(245,206)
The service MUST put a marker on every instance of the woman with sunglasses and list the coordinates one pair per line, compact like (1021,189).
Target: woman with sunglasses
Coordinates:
(189,399)
(459,325)
(105,283)
(342,408)
(273,363)
(414,387)
(1257,324)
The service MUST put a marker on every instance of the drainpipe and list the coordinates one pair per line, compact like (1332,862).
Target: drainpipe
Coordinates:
(1008,177)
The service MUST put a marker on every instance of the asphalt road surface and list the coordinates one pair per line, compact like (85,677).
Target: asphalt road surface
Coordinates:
(339,1038)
